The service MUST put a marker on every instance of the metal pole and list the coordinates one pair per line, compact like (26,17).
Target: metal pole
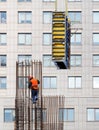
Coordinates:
(66,3)
(56,5)
(35,117)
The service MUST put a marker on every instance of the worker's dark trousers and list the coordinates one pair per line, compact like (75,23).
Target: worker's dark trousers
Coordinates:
(34,95)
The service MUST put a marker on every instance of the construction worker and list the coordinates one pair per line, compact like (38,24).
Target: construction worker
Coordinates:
(33,85)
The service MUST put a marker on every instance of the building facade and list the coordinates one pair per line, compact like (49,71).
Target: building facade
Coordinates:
(26,34)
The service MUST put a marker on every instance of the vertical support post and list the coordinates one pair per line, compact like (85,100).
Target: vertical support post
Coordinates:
(66,3)
(40,71)
(35,117)
(56,5)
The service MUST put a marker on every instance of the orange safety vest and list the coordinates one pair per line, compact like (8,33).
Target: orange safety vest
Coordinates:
(34,84)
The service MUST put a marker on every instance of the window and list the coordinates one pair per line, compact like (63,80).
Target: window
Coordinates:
(23,82)
(22,58)
(47,17)
(76,60)
(9,115)
(49,82)
(2,60)
(76,39)
(95,60)
(66,114)
(95,16)
(75,16)
(3,39)
(93,114)
(47,61)
(24,0)
(95,82)
(3,17)
(24,38)
(47,38)
(74,82)
(25,17)
(96,38)
(3,82)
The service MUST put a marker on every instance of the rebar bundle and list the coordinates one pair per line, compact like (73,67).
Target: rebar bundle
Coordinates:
(52,104)
(44,115)
(23,106)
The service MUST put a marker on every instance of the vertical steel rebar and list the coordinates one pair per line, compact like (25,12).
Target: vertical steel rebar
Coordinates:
(23,103)
(53,104)
(24,107)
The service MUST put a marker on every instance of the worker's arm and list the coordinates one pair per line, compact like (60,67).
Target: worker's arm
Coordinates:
(38,81)
(30,84)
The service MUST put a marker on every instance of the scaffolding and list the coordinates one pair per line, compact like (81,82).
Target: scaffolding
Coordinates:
(44,115)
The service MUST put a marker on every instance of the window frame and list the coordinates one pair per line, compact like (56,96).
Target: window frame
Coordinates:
(12,115)
(50,17)
(95,43)
(50,39)
(25,38)
(48,59)
(93,114)
(49,79)
(74,18)
(94,56)
(4,58)
(1,43)
(74,39)
(3,17)
(24,81)
(95,86)
(75,64)
(25,57)
(75,83)
(24,13)
(65,111)
(95,21)
(3,80)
